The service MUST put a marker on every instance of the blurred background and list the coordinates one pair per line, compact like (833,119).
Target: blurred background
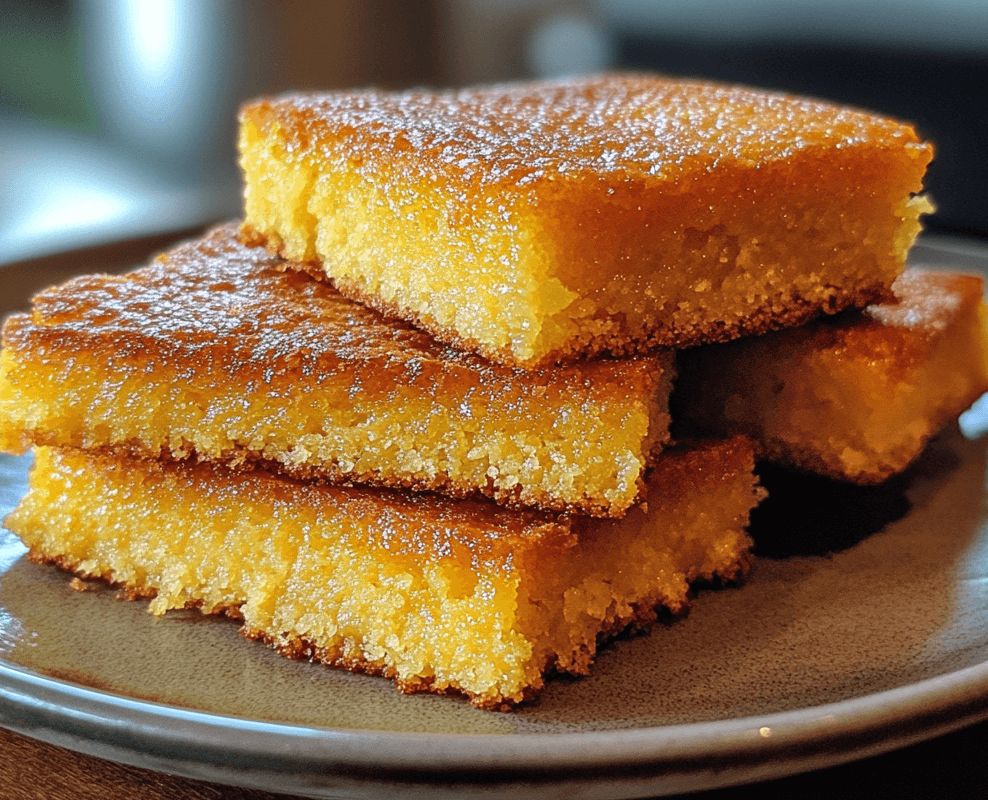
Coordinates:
(117,117)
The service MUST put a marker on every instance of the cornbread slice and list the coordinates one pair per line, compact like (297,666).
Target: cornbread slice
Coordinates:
(535,222)
(215,351)
(855,397)
(441,595)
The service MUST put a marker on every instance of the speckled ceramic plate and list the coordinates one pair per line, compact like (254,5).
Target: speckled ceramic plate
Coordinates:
(863,627)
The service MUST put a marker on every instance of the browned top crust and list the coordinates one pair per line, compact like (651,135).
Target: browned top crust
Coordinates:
(218,299)
(216,317)
(622,126)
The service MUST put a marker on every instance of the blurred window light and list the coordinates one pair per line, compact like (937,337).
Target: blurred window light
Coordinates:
(160,75)
(151,53)
(61,190)
(131,128)
(568,43)
(960,25)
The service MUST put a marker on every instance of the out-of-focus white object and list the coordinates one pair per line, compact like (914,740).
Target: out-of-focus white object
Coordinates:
(63,190)
(568,43)
(163,77)
(166,77)
(953,25)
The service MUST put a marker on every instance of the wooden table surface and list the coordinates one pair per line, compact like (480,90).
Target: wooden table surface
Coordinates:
(953,766)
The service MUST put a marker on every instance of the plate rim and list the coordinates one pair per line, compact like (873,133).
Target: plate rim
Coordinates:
(654,760)
(662,759)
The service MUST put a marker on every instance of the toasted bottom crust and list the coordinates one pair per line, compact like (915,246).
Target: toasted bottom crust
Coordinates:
(609,336)
(638,622)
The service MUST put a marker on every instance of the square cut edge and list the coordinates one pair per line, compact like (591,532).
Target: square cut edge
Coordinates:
(215,351)
(442,596)
(539,222)
(855,398)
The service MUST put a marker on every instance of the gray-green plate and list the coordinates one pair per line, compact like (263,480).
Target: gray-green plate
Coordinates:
(863,627)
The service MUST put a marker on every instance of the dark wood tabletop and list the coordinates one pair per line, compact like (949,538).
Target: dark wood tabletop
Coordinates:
(950,766)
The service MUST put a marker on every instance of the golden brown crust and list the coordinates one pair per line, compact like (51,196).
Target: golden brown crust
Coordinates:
(658,128)
(67,563)
(299,649)
(617,213)
(641,617)
(216,319)
(607,337)
(423,550)
(638,620)
(854,398)
(813,463)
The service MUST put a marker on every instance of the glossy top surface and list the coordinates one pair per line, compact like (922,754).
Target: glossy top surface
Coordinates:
(215,300)
(619,126)
(217,290)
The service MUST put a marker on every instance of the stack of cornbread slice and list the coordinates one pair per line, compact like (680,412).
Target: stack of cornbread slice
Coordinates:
(194,421)
(483,492)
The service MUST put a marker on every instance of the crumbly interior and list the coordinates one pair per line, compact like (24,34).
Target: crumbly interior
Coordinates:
(440,595)
(855,398)
(215,352)
(614,215)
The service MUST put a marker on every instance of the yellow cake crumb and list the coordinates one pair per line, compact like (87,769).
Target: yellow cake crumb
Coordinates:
(534,222)
(438,594)
(857,397)
(214,351)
